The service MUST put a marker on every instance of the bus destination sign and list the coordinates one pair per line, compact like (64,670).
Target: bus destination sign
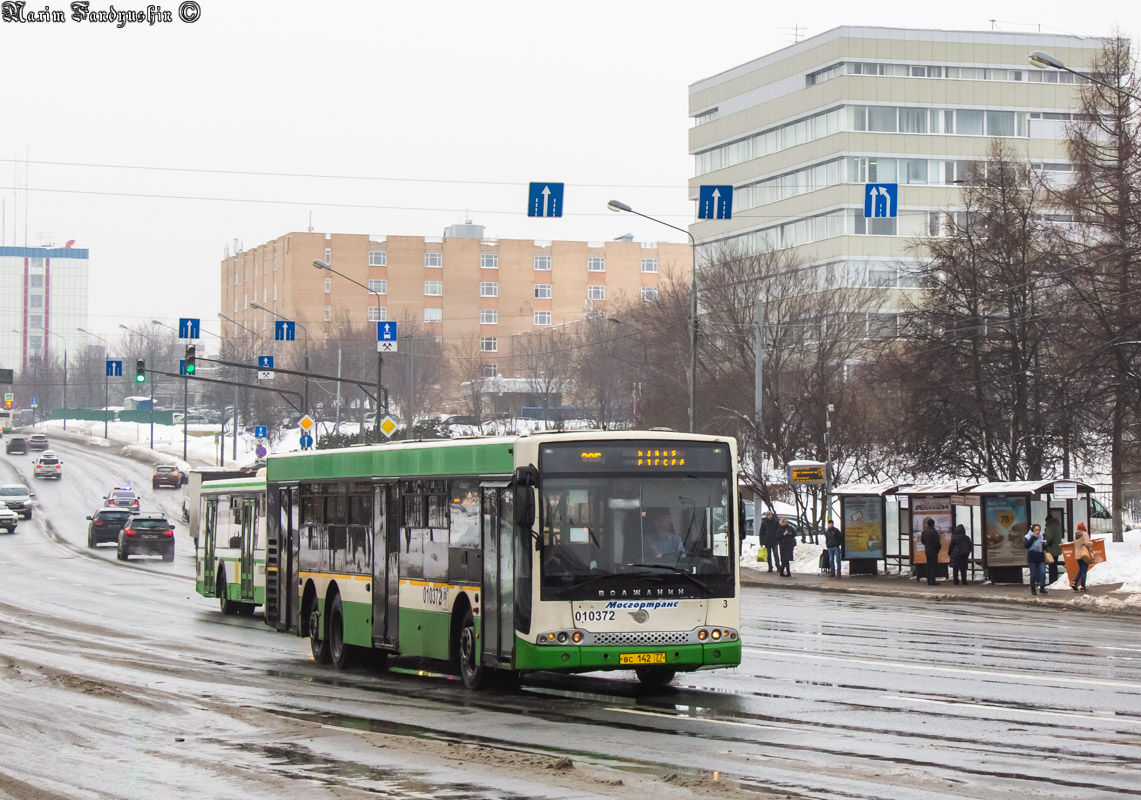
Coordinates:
(635,457)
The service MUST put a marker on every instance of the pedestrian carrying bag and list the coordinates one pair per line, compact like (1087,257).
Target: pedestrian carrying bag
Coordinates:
(762,553)
(1049,558)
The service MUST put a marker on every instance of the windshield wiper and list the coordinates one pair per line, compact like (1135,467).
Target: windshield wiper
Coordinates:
(675,570)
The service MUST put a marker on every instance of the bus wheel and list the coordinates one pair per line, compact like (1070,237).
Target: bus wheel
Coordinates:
(225,604)
(470,670)
(318,644)
(655,676)
(339,652)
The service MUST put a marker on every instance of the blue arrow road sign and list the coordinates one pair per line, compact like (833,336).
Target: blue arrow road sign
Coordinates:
(715,202)
(881,200)
(189,327)
(260,431)
(545,200)
(284,331)
(265,362)
(306,441)
(386,331)
(114,369)
(35,402)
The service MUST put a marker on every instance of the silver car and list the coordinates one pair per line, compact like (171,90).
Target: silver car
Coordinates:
(17,498)
(8,519)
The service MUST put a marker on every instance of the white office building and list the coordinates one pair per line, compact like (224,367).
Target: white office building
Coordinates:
(799,134)
(43,300)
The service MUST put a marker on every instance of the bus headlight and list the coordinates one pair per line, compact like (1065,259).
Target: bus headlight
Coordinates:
(577,637)
(562,637)
(716,634)
(702,634)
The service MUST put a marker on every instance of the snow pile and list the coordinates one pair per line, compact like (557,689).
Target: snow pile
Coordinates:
(1122,563)
(805,559)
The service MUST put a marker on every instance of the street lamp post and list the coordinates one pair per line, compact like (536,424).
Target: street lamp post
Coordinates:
(379,356)
(1044,60)
(617,205)
(260,307)
(106,380)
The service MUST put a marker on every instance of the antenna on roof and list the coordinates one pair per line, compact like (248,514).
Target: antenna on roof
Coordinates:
(794,34)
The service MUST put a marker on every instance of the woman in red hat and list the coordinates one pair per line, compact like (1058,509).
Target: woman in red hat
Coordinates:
(1083,552)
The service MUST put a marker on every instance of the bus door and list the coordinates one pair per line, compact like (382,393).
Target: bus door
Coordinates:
(498,615)
(385,566)
(249,535)
(209,582)
(281,559)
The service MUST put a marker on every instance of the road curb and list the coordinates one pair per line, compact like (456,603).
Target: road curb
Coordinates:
(1082,603)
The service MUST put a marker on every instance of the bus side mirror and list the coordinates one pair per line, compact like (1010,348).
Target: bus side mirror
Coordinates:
(526,478)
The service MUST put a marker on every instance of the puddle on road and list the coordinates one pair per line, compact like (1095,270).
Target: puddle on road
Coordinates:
(298,763)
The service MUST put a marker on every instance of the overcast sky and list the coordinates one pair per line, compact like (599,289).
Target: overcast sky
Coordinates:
(447,108)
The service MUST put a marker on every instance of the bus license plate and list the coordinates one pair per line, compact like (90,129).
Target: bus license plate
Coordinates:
(641,658)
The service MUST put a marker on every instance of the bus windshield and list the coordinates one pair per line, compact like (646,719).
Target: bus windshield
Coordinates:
(629,536)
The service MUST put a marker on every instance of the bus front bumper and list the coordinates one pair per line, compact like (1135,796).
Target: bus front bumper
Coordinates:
(683,658)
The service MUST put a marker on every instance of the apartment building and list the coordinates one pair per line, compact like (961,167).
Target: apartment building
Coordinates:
(799,132)
(43,300)
(463,287)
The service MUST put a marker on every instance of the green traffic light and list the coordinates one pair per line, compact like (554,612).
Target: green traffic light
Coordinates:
(140,378)
(190,369)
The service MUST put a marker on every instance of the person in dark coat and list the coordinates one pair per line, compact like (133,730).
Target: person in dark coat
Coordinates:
(834,541)
(932,544)
(960,553)
(770,538)
(787,538)
(1052,540)
(1036,559)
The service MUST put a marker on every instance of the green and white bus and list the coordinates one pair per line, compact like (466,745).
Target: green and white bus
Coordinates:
(508,555)
(229,533)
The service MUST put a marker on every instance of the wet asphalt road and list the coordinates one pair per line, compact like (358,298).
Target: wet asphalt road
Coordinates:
(106,667)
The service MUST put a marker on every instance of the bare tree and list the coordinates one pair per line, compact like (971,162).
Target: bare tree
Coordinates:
(541,357)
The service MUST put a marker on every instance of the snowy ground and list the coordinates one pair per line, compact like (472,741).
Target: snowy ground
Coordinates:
(1122,562)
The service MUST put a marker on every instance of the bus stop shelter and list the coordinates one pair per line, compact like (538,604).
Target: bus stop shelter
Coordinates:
(917,504)
(1008,509)
(867,523)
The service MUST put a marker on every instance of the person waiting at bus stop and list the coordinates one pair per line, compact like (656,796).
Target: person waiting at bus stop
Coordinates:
(770,538)
(1052,536)
(932,544)
(834,541)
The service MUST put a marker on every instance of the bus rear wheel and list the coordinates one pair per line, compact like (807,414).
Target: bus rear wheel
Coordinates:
(655,676)
(225,604)
(318,644)
(339,652)
(470,670)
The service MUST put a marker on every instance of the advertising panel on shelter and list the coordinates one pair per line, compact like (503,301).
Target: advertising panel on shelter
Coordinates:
(863,527)
(1006,526)
(933,508)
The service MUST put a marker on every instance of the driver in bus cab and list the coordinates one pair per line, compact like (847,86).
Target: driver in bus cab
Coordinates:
(659,540)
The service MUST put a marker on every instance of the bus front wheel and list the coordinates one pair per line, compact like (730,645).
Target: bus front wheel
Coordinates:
(470,670)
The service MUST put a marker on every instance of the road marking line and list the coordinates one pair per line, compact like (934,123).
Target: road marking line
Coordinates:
(698,719)
(933,668)
(992,708)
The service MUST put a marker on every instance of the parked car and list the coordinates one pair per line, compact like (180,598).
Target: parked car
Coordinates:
(166,476)
(8,519)
(146,534)
(18,498)
(37,441)
(17,445)
(122,497)
(48,466)
(105,525)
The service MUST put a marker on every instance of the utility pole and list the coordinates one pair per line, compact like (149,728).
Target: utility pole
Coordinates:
(828,409)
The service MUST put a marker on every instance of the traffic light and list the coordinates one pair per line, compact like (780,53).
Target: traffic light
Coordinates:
(7,402)
(190,356)
(140,371)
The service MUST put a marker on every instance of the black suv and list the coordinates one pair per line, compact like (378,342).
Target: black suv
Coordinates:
(146,533)
(105,525)
(17,444)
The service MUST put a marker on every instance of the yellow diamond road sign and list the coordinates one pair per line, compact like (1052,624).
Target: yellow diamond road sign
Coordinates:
(306,423)
(387,427)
